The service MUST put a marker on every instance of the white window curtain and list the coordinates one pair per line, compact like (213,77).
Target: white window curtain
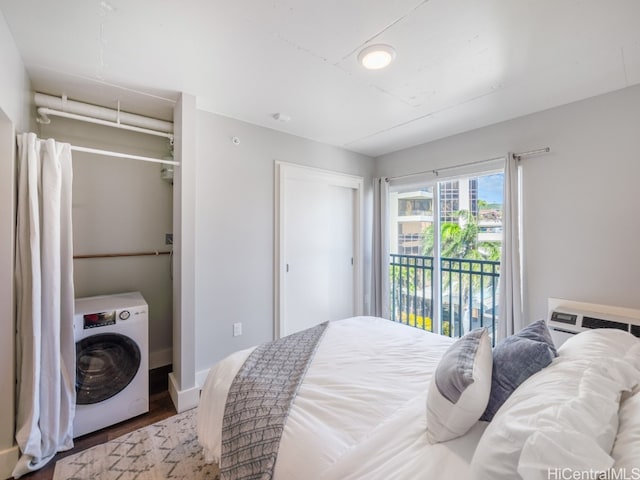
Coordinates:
(45,302)
(380,249)
(510,289)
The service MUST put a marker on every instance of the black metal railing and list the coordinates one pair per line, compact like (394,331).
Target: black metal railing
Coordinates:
(412,290)
(469,293)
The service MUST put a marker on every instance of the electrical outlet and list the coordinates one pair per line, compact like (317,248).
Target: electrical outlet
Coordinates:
(168,238)
(237,329)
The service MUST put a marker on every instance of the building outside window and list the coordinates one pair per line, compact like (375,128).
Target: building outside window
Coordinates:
(453,288)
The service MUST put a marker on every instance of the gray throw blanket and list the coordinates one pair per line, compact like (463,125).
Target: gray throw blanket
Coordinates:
(259,401)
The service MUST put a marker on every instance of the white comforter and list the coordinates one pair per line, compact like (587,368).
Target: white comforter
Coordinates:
(360,412)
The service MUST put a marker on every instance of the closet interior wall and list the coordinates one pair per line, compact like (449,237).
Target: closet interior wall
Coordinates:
(121,206)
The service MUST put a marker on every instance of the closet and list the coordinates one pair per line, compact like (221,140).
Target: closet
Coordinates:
(122,212)
(317,247)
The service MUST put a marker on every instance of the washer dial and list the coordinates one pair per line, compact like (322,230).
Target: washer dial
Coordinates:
(124,315)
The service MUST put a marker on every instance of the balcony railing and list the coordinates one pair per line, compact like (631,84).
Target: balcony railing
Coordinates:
(412,290)
(469,296)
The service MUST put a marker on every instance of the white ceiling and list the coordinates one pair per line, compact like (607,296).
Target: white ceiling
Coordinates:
(460,64)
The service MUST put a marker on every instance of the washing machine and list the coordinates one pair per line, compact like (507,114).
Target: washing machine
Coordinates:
(112,360)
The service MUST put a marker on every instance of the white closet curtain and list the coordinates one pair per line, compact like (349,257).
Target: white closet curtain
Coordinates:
(45,302)
(380,249)
(510,289)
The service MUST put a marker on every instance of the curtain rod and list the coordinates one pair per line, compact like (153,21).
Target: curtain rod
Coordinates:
(108,153)
(487,160)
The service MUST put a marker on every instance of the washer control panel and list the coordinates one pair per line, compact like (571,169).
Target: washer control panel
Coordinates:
(100,319)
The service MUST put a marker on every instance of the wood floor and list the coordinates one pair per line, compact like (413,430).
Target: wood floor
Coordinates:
(160,407)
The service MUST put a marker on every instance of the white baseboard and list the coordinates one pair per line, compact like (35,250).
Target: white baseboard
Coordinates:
(160,358)
(8,460)
(183,400)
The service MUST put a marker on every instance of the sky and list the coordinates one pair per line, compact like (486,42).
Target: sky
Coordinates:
(490,188)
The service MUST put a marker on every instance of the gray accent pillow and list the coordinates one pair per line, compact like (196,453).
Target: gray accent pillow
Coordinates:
(455,370)
(515,359)
(460,387)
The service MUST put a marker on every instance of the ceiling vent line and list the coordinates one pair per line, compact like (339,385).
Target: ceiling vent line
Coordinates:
(85,112)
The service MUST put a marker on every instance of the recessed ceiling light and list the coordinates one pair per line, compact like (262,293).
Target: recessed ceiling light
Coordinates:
(375,57)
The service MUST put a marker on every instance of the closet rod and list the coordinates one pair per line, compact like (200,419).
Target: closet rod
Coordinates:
(130,254)
(487,160)
(109,153)
(44,111)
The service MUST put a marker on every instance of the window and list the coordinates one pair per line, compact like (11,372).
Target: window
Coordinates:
(445,244)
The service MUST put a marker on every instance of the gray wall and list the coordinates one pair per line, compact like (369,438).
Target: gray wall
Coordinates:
(121,206)
(235,222)
(8,455)
(182,380)
(15,87)
(580,202)
(14,116)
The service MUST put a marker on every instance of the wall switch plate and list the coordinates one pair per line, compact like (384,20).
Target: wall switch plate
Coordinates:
(168,238)
(237,329)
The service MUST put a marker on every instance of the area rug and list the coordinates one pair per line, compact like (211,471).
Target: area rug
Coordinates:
(165,450)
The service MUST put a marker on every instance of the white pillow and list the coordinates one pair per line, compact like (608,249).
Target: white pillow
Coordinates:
(626,449)
(460,387)
(565,409)
(603,342)
(548,447)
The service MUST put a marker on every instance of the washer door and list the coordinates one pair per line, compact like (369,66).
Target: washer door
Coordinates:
(105,364)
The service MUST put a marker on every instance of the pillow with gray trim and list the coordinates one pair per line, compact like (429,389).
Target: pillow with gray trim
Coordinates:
(460,386)
(515,359)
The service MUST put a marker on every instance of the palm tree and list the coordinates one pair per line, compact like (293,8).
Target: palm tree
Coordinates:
(459,241)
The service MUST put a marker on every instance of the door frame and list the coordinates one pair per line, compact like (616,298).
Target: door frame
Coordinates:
(284,171)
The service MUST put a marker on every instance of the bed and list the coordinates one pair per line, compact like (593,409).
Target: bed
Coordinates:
(360,411)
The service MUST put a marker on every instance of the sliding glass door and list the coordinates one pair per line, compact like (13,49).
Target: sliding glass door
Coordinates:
(444,241)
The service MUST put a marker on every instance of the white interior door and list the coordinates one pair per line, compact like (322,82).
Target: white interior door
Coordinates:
(340,246)
(307,258)
(318,244)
